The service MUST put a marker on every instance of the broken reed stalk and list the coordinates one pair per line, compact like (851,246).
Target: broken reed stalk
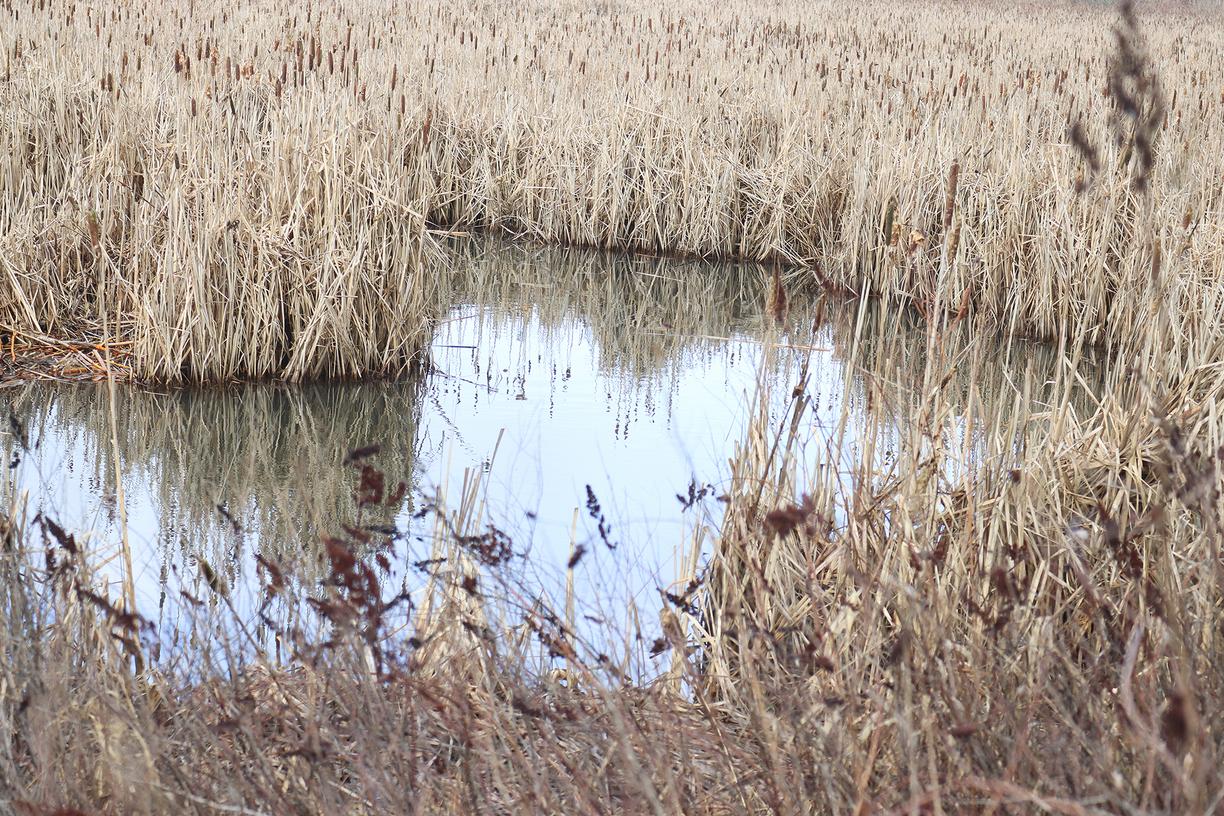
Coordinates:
(129,580)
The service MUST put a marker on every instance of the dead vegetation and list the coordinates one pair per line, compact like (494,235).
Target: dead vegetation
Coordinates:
(244,191)
(1033,628)
(1035,631)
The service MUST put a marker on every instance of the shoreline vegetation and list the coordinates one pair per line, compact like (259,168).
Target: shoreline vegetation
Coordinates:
(270,174)
(248,191)
(1039,630)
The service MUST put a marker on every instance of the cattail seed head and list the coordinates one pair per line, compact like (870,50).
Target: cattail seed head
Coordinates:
(950,197)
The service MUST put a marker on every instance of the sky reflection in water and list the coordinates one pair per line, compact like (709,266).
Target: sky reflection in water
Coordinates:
(556,371)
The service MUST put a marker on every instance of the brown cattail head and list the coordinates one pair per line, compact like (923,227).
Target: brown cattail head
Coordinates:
(95,232)
(953,240)
(950,197)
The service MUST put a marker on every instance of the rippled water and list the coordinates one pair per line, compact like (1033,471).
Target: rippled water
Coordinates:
(566,389)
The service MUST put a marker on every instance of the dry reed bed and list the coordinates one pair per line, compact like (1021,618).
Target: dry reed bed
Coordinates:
(1043,628)
(1040,631)
(259,173)
(276,241)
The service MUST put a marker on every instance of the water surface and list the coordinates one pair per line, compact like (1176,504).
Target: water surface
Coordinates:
(576,400)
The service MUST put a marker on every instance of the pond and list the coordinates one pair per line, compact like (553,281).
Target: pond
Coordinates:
(578,401)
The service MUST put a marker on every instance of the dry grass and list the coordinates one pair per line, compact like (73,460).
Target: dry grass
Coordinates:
(1040,630)
(1033,628)
(278,238)
(263,173)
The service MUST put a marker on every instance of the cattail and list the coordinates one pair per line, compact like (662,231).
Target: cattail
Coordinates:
(95,232)
(950,198)
(953,241)
(890,213)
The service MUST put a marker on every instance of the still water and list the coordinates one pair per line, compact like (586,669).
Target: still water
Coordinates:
(567,390)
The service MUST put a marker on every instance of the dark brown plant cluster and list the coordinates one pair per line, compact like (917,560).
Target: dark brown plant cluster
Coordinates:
(1137,111)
